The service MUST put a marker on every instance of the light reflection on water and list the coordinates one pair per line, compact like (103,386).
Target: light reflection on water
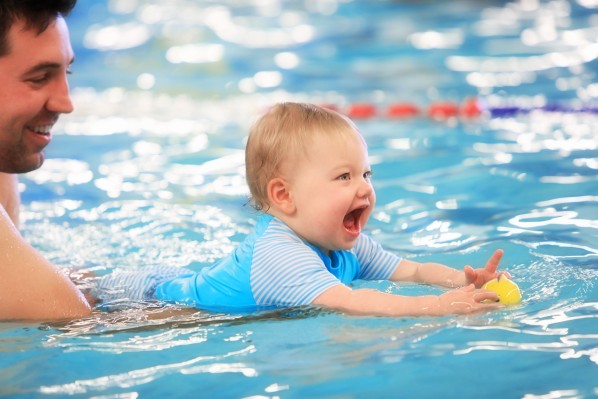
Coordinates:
(149,171)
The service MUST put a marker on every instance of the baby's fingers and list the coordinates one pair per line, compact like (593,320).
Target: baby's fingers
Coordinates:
(507,274)
(494,260)
(485,295)
(470,274)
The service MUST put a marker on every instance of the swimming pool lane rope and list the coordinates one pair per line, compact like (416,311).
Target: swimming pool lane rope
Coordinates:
(470,108)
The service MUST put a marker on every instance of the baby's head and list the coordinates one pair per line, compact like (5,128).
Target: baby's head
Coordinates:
(281,137)
(308,166)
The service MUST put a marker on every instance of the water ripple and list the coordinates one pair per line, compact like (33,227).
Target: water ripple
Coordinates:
(136,377)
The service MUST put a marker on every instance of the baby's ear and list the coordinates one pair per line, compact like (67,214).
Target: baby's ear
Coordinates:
(279,196)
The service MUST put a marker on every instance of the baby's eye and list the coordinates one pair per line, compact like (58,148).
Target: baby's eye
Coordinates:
(367,175)
(344,176)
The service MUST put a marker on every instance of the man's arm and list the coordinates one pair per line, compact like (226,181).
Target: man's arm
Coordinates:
(31,288)
(9,196)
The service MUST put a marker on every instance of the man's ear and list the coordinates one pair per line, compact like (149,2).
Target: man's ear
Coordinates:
(279,196)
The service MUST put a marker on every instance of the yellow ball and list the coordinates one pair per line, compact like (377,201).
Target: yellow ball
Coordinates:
(508,292)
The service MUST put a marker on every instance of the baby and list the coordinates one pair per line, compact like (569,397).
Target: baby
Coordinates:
(309,176)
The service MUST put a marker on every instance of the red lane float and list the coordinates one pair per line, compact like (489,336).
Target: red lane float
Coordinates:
(403,110)
(471,108)
(361,111)
(443,110)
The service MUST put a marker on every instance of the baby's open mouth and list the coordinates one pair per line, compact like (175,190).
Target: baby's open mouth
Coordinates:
(352,220)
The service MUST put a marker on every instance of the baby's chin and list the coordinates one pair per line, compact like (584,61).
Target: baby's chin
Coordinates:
(327,249)
(345,246)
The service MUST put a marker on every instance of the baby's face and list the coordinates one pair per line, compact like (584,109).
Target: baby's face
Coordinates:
(332,192)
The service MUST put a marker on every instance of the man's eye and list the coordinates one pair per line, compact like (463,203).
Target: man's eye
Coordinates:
(39,79)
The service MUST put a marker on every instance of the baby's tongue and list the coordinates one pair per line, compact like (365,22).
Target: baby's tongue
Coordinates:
(350,222)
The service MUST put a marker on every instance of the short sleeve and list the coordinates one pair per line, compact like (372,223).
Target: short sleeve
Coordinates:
(287,272)
(376,263)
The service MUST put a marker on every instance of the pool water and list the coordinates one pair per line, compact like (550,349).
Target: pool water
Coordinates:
(149,171)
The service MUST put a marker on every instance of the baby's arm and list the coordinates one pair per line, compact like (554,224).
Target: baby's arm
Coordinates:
(377,303)
(466,299)
(444,276)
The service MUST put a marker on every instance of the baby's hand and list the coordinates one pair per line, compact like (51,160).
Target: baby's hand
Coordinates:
(479,277)
(468,299)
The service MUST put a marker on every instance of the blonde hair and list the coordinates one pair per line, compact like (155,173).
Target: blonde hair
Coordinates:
(286,130)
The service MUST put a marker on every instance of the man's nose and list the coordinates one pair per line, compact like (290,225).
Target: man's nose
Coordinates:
(60,98)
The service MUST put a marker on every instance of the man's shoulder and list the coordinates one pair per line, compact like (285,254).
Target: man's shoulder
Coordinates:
(10,199)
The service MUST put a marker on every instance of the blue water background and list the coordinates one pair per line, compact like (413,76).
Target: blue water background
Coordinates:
(149,171)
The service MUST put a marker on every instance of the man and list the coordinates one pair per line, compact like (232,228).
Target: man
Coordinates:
(35,57)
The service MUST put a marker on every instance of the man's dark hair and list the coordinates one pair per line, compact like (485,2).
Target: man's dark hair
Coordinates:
(36,14)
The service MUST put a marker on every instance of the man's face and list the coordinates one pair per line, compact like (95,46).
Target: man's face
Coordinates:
(34,92)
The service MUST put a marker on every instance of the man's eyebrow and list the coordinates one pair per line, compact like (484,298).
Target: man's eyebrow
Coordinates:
(42,66)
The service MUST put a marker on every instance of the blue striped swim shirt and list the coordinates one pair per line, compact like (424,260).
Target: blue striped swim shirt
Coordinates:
(275,268)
